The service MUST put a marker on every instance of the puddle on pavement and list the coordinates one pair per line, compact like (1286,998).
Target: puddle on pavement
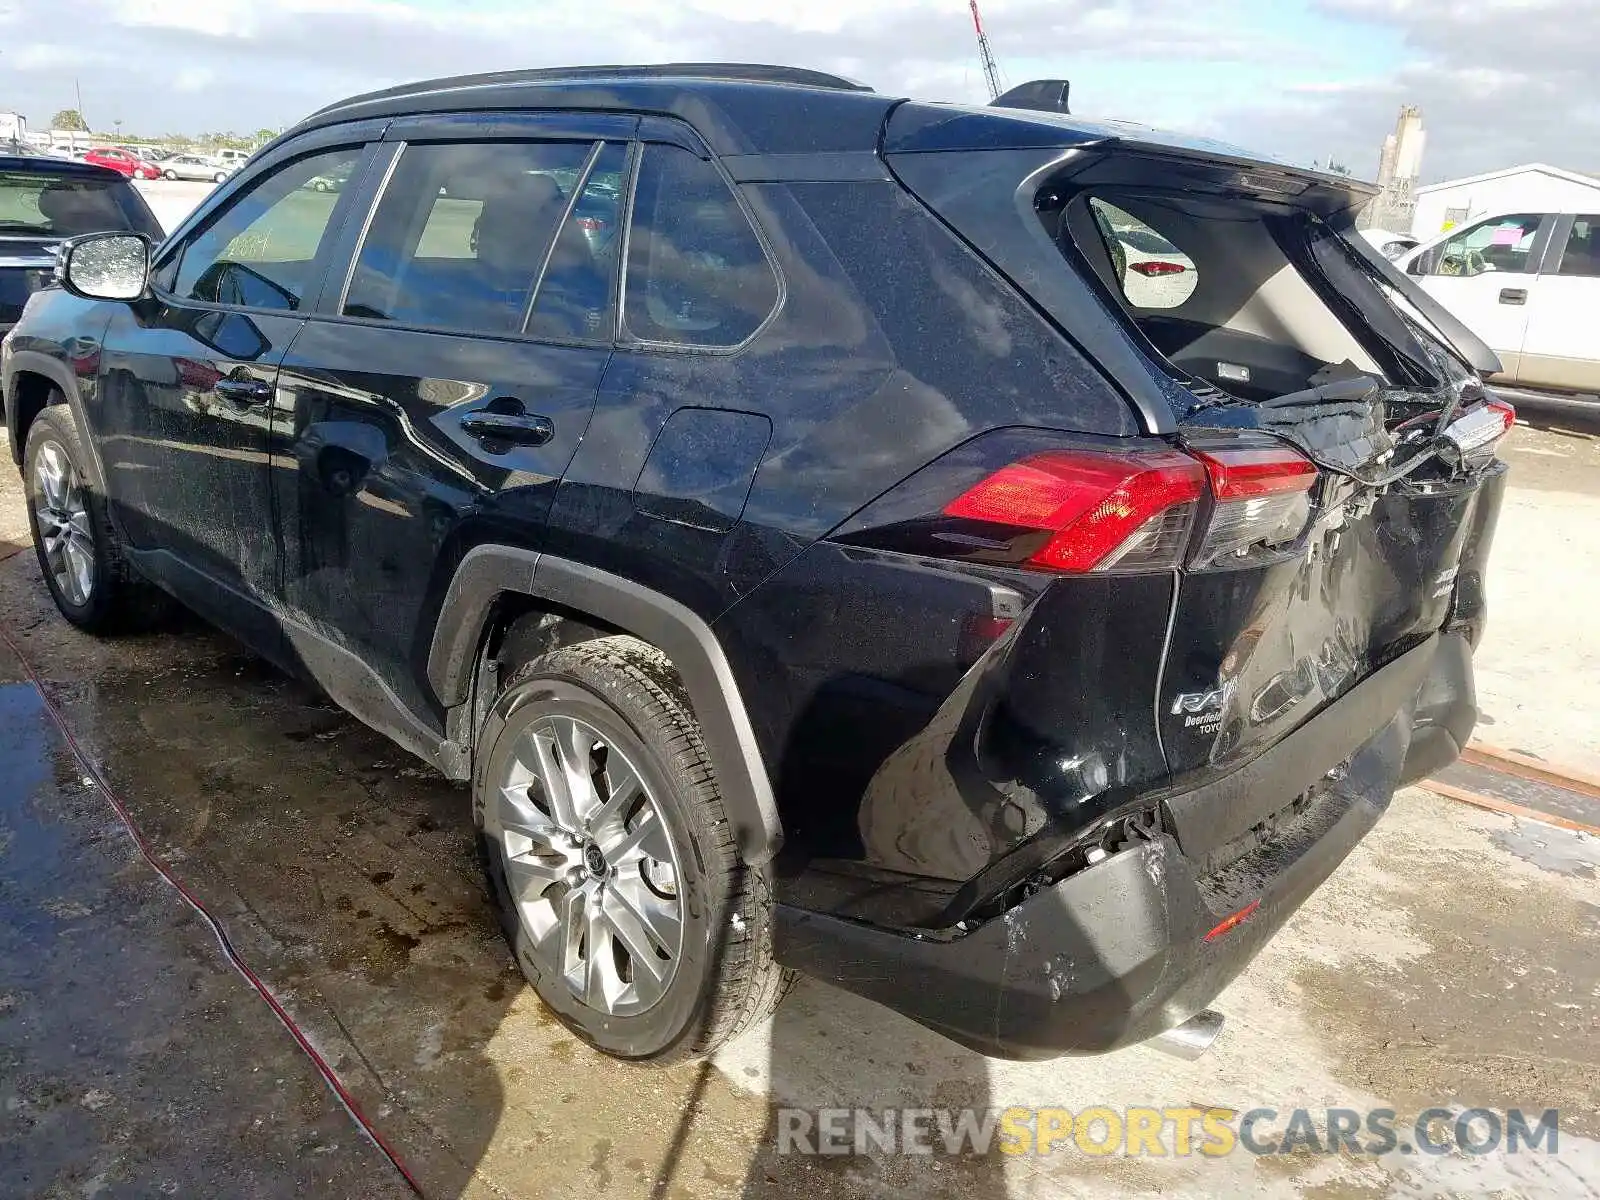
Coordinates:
(133,1060)
(31,849)
(1564,851)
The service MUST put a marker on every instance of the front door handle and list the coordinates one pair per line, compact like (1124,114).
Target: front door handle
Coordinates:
(244,392)
(1513,295)
(499,431)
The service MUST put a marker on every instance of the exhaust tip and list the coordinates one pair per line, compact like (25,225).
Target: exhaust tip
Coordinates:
(1191,1039)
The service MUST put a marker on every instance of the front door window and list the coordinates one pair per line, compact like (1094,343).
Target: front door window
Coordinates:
(1500,244)
(259,251)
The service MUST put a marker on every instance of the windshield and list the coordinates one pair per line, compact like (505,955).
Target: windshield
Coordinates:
(54,206)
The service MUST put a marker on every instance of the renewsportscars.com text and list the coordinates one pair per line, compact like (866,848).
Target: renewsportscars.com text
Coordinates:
(1163,1132)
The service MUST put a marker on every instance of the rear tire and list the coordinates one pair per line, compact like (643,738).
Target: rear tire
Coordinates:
(620,888)
(91,581)
(169,175)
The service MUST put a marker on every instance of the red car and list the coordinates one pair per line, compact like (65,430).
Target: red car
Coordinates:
(124,163)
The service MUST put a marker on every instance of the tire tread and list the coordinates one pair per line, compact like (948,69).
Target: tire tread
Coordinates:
(639,680)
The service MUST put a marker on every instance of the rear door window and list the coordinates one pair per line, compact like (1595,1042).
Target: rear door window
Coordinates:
(259,251)
(574,299)
(1152,272)
(697,273)
(1582,253)
(462,232)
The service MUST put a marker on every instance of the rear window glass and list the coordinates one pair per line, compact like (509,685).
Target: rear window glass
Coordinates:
(697,273)
(54,206)
(1152,272)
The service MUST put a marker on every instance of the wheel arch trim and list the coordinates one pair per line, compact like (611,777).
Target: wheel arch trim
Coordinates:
(490,571)
(35,362)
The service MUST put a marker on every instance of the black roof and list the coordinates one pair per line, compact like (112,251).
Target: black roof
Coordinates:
(737,108)
(741,108)
(49,164)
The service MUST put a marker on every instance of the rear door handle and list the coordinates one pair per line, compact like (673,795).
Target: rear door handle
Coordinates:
(507,429)
(1513,295)
(244,392)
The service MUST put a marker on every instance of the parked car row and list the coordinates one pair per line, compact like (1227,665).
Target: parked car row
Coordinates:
(148,162)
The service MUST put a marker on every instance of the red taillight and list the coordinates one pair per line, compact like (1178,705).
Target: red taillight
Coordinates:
(591,224)
(1155,266)
(1133,511)
(1239,474)
(1103,511)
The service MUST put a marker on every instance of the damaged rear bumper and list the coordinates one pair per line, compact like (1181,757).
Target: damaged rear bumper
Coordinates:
(1119,951)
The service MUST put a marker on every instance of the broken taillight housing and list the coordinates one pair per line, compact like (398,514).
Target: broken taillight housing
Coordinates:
(1475,434)
(1263,503)
(1107,512)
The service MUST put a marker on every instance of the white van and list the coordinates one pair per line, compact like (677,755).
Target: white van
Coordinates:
(231,158)
(1528,284)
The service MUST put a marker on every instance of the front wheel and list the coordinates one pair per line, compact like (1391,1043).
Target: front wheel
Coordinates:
(219,177)
(169,175)
(80,556)
(612,860)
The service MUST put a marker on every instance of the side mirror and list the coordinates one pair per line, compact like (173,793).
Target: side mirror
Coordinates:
(106,266)
(1418,265)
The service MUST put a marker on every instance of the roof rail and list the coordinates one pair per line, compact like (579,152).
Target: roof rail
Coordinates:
(745,72)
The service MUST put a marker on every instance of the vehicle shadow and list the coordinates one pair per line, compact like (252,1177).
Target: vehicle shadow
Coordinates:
(1562,417)
(863,1102)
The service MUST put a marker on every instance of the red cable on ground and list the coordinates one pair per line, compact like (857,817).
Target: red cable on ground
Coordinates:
(324,1068)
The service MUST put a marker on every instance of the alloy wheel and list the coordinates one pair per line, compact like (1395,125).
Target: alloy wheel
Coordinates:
(66,529)
(590,865)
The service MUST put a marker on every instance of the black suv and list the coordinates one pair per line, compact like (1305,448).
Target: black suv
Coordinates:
(997,562)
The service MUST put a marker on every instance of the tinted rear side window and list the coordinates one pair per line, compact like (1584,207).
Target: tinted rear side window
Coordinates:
(461,233)
(697,273)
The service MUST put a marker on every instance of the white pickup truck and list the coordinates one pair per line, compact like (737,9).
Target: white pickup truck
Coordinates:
(1528,284)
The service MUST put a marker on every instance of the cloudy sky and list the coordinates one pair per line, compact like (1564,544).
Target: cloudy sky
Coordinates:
(1499,81)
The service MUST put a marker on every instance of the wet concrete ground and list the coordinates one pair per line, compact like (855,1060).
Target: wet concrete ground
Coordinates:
(133,1059)
(1450,962)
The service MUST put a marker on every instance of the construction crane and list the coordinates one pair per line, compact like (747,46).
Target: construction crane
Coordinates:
(991,73)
